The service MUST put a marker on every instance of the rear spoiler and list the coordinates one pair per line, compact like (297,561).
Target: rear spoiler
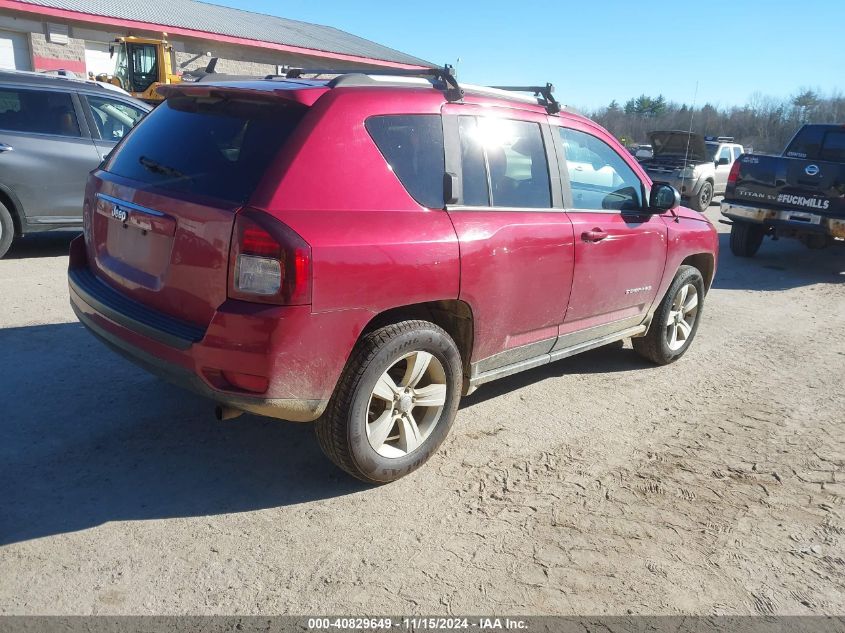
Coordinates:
(305,95)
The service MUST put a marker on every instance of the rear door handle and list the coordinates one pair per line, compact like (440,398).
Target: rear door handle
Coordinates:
(596,235)
(5,148)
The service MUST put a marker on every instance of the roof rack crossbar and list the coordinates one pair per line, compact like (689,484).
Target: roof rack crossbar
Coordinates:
(544,92)
(445,75)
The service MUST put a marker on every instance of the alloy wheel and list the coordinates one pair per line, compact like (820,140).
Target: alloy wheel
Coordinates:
(406,404)
(682,317)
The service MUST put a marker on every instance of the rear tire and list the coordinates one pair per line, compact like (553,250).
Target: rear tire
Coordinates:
(676,319)
(395,402)
(746,238)
(7,230)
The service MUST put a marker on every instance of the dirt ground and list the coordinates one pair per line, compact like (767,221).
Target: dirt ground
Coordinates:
(596,485)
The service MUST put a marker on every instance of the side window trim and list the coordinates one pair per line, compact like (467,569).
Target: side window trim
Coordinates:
(644,190)
(452,147)
(89,118)
(81,119)
(552,162)
(452,161)
(567,201)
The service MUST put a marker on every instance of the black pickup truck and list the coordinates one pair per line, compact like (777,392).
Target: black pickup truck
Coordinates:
(800,194)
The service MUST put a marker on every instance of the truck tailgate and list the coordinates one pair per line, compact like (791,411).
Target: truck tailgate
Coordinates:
(790,183)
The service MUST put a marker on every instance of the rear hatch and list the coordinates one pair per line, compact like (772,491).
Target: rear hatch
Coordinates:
(809,176)
(163,205)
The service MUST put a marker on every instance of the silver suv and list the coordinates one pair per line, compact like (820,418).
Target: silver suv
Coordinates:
(695,166)
(53,132)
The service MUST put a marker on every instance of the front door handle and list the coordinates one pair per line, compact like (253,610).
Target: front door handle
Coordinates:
(5,148)
(596,235)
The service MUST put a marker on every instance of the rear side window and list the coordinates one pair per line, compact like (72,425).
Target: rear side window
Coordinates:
(412,145)
(503,163)
(217,147)
(816,142)
(833,147)
(37,111)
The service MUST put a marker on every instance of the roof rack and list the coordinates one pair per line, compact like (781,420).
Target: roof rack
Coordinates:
(542,92)
(444,75)
(347,77)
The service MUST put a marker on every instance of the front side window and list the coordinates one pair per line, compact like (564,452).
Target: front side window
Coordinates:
(725,154)
(712,151)
(412,145)
(38,112)
(112,118)
(504,163)
(599,177)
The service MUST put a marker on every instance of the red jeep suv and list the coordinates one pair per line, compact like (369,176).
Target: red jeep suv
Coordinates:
(362,251)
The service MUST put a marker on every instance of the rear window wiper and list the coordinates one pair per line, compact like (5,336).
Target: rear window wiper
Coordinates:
(157,168)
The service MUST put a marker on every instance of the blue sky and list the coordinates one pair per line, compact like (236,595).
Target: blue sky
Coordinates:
(607,49)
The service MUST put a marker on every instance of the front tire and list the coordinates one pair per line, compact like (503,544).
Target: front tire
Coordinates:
(702,200)
(676,319)
(395,402)
(746,238)
(7,230)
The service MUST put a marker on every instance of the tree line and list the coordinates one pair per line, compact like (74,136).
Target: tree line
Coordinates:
(765,124)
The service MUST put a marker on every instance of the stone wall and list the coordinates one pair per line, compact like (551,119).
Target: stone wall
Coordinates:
(48,55)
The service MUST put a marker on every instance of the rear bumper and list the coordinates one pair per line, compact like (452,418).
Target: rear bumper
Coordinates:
(785,218)
(248,339)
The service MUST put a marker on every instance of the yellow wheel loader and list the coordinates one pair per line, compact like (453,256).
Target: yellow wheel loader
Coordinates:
(141,66)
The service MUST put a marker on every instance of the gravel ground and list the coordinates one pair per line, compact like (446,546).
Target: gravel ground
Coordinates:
(596,485)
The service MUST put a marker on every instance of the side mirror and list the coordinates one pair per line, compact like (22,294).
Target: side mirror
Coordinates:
(664,197)
(722,161)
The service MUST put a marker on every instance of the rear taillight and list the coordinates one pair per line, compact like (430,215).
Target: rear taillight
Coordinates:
(268,261)
(734,173)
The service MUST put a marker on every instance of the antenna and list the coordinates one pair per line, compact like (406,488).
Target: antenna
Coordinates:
(692,116)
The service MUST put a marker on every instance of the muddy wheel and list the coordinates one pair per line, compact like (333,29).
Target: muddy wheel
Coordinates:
(676,320)
(395,403)
(702,201)
(746,238)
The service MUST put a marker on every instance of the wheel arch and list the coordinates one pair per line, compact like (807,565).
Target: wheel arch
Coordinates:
(700,183)
(11,202)
(453,315)
(706,265)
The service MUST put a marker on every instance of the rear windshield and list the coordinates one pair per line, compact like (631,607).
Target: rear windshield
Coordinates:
(211,146)
(818,143)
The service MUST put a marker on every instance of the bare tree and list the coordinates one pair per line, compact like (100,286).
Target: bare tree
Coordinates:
(764,123)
